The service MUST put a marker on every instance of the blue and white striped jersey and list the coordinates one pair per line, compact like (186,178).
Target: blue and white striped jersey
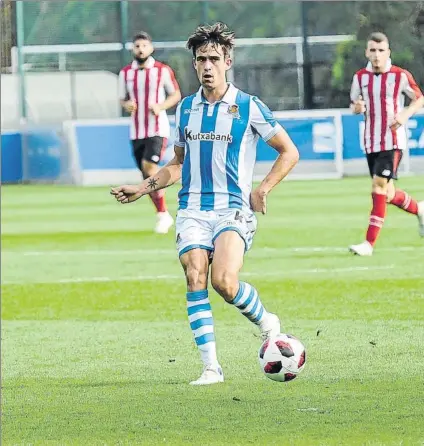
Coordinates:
(220,148)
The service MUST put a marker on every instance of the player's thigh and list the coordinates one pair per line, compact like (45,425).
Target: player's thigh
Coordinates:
(386,164)
(391,188)
(138,151)
(371,162)
(233,236)
(228,254)
(242,222)
(154,149)
(194,245)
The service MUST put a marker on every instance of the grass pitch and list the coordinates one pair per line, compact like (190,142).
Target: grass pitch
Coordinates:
(97,349)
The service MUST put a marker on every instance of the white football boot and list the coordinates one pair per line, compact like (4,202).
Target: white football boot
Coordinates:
(270,326)
(363,249)
(210,375)
(165,221)
(420,216)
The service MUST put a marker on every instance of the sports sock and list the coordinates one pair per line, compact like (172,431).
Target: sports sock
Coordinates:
(249,304)
(158,198)
(201,323)
(378,213)
(404,201)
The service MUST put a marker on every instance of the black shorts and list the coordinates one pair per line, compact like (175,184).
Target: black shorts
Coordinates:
(384,164)
(148,149)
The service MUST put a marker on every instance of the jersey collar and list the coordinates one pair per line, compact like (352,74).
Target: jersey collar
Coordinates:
(150,62)
(229,96)
(386,68)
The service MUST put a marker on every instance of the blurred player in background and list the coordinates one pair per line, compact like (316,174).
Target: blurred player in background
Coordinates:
(217,130)
(378,91)
(147,88)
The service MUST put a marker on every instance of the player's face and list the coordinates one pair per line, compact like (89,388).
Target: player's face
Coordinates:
(378,54)
(142,49)
(211,65)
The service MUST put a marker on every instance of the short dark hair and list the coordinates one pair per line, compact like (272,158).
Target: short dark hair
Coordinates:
(216,34)
(378,37)
(142,35)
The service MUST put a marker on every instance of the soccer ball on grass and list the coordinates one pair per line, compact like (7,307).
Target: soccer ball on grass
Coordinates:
(282,357)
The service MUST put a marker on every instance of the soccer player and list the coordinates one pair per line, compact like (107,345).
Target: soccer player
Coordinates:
(147,88)
(215,149)
(378,91)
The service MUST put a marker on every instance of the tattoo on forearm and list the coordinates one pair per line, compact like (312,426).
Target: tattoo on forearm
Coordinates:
(152,183)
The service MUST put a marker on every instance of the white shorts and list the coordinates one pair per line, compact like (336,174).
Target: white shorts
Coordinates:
(199,229)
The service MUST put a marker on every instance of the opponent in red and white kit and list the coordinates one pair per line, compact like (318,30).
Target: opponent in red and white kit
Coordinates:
(379,91)
(147,88)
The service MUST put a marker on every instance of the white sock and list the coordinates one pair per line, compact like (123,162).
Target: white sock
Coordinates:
(249,304)
(201,323)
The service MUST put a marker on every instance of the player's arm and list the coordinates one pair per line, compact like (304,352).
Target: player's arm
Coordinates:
(170,101)
(357,103)
(165,177)
(124,98)
(172,90)
(410,89)
(275,136)
(288,156)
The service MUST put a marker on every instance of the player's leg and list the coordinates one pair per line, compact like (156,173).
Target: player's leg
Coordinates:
(194,243)
(402,199)
(152,154)
(138,151)
(378,210)
(381,169)
(231,240)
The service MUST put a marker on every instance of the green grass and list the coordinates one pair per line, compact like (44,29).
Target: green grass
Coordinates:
(96,349)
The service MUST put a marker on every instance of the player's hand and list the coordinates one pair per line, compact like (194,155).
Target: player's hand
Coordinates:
(359,105)
(258,200)
(155,109)
(398,121)
(130,106)
(126,194)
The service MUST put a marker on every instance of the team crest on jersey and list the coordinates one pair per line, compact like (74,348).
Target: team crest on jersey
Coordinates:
(234,111)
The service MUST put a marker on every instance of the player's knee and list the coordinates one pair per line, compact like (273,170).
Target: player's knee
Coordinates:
(379,188)
(380,183)
(225,284)
(197,278)
(389,196)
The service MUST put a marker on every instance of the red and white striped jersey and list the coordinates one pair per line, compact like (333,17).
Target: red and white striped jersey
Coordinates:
(147,86)
(384,96)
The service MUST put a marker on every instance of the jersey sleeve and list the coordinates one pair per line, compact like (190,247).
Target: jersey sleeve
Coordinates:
(410,87)
(179,133)
(355,89)
(122,87)
(262,120)
(169,81)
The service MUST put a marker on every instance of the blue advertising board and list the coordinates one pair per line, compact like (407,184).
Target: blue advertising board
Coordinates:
(11,157)
(104,145)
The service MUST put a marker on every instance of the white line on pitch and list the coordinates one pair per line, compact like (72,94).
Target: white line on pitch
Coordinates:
(255,251)
(180,276)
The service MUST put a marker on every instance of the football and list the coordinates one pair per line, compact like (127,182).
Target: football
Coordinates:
(282,357)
